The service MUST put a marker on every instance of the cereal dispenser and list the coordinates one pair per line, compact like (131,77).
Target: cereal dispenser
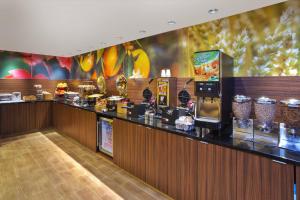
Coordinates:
(289,136)
(265,109)
(241,107)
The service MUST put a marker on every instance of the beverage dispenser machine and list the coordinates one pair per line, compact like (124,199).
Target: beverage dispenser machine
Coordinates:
(214,91)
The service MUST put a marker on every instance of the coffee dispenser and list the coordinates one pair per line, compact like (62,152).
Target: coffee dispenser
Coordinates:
(214,91)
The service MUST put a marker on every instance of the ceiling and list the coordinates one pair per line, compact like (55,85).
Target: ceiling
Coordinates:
(72,27)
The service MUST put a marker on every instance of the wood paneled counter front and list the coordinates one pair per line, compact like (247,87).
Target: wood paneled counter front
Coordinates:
(185,168)
(180,164)
(20,118)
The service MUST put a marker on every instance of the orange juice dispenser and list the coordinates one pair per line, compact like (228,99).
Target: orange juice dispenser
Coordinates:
(214,90)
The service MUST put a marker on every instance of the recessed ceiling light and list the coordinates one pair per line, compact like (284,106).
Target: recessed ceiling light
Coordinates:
(213,11)
(171,22)
(142,31)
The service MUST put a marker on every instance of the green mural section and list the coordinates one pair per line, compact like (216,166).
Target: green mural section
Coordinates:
(264,42)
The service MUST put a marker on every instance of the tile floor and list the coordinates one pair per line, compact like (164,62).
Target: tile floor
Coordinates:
(51,166)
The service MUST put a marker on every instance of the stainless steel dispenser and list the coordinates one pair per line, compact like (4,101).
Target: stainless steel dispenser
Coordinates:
(214,91)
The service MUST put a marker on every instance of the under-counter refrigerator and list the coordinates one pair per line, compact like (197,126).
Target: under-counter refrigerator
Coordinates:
(105,135)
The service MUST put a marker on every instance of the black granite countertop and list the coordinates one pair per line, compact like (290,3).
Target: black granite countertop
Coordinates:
(272,152)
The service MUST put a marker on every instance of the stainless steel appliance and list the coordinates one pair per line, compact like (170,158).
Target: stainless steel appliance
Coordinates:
(6,97)
(105,135)
(214,91)
(16,96)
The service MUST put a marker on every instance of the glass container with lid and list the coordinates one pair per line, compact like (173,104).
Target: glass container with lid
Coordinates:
(241,107)
(265,109)
(290,112)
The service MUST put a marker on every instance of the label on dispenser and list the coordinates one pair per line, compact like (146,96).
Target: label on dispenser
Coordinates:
(207,65)
(163,93)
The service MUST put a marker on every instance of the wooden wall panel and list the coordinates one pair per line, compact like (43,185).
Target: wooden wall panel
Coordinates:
(136,88)
(274,87)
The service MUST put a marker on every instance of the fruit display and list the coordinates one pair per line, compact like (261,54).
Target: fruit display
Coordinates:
(60,90)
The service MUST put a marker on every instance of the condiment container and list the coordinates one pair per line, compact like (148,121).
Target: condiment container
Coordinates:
(265,109)
(241,107)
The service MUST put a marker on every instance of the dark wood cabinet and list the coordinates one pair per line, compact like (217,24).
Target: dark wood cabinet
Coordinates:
(8,119)
(90,128)
(260,178)
(166,161)
(182,167)
(18,118)
(297,170)
(43,112)
(216,172)
(157,159)
(76,123)
(129,147)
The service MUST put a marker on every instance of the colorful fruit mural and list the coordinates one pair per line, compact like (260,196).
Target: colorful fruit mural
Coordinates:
(264,42)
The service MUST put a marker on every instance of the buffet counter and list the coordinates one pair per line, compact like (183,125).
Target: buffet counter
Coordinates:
(182,164)
(272,152)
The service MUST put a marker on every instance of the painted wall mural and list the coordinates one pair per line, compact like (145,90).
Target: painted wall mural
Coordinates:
(264,42)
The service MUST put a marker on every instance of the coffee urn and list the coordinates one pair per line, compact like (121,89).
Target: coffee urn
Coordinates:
(214,91)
